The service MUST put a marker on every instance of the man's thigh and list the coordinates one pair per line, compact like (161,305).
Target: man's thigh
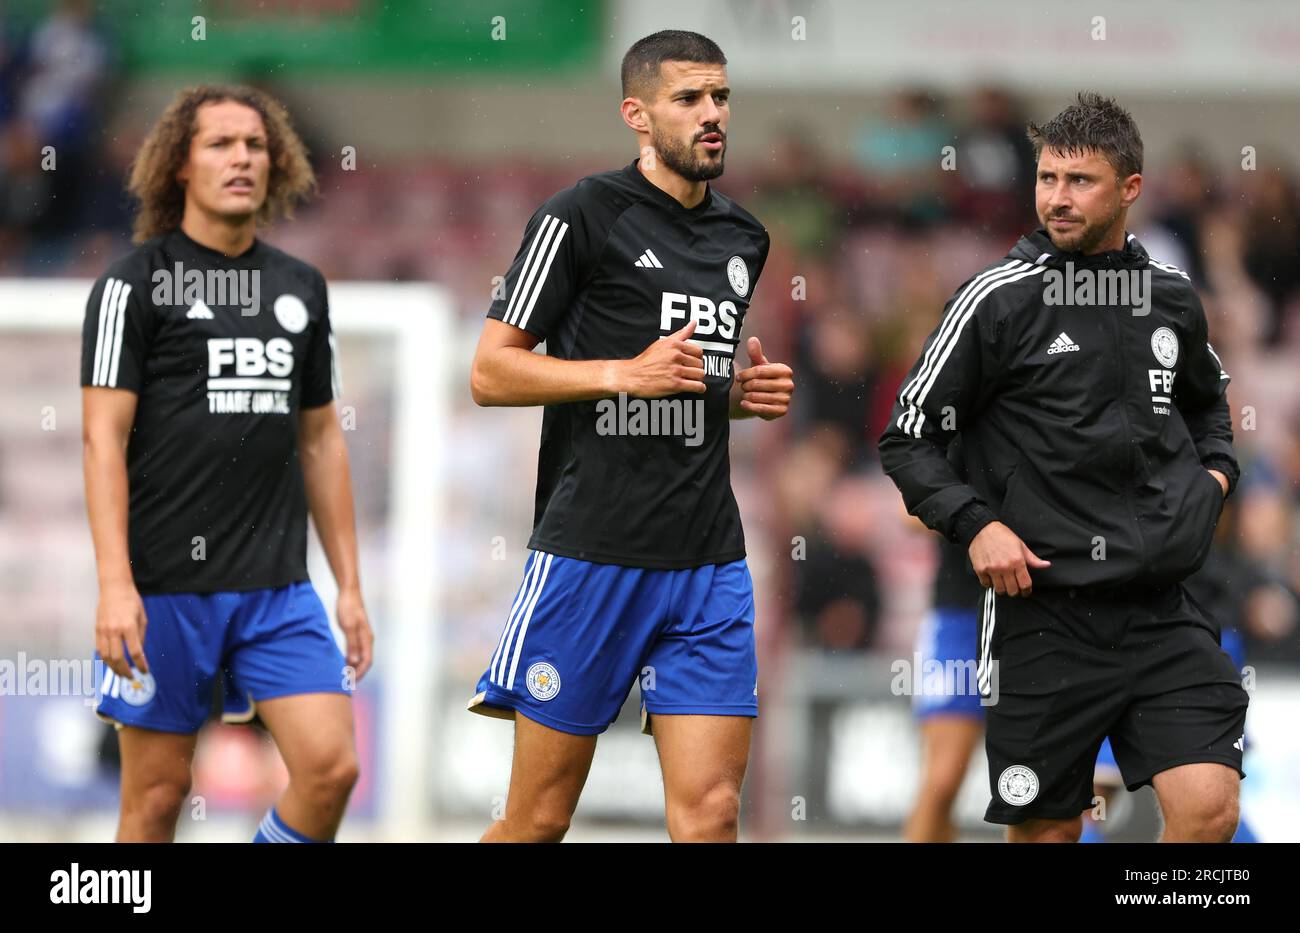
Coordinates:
(1188,705)
(1060,687)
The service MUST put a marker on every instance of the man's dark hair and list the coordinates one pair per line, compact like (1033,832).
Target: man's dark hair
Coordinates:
(1097,123)
(641,63)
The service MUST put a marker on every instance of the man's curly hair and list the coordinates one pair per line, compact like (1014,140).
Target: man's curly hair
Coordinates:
(167,147)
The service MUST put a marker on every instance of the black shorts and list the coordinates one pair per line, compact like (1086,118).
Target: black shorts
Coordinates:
(1068,667)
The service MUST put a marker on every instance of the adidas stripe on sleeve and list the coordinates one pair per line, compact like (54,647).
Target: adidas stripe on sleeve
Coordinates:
(544,277)
(322,381)
(114,336)
(946,385)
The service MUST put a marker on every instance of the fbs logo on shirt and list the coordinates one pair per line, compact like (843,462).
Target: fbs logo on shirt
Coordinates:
(712,321)
(248,375)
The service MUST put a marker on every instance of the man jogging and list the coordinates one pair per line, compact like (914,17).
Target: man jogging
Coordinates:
(639,280)
(1097,447)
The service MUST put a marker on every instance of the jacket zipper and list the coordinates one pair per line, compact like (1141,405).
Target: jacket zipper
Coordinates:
(1128,438)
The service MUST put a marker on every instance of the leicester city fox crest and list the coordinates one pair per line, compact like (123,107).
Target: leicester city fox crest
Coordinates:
(543,681)
(738,275)
(139,690)
(1164,344)
(1018,785)
(291,313)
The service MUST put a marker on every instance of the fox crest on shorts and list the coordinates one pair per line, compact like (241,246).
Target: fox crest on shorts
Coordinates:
(1018,785)
(543,681)
(139,690)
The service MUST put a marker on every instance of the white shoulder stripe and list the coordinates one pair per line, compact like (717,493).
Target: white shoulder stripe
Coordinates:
(540,253)
(1166,267)
(108,342)
(947,337)
(523,270)
(950,319)
(1223,373)
(985,289)
(119,321)
(336,374)
(104,304)
(537,290)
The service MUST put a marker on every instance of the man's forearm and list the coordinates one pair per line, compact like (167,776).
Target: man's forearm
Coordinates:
(327,478)
(107,500)
(514,376)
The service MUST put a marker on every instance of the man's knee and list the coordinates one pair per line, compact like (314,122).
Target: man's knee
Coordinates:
(1206,820)
(711,814)
(158,798)
(1067,830)
(327,777)
(544,824)
(943,784)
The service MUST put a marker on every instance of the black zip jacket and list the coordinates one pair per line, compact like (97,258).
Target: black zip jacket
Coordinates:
(1086,422)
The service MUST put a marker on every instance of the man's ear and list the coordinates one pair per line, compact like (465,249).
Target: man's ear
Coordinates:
(1131,188)
(634,114)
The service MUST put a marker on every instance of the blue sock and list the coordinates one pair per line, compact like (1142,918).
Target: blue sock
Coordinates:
(274,829)
(1090,832)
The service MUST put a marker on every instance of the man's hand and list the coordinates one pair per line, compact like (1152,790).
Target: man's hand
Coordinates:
(1001,560)
(666,367)
(1223,481)
(351,612)
(119,618)
(766,386)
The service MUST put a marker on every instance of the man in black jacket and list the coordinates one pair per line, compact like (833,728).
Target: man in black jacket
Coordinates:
(1096,452)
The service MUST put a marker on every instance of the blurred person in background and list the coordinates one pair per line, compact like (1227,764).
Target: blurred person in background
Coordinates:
(900,153)
(1189,197)
(210,431)
(794,198)
(995,164)
(1271,227)
(948,709)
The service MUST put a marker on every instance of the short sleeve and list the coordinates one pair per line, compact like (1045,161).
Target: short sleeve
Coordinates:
(547,271)
(321,382)
(115,336)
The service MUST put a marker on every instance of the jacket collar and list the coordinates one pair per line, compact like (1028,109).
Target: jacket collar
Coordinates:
(1038,249)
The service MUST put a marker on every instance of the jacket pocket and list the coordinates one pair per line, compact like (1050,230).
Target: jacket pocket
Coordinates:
(1182,550)
(1216,512)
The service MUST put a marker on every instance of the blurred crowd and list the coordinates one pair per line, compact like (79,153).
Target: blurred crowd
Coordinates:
(868,245)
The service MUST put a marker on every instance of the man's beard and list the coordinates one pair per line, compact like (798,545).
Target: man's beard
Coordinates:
(682,160)
(1084,240)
